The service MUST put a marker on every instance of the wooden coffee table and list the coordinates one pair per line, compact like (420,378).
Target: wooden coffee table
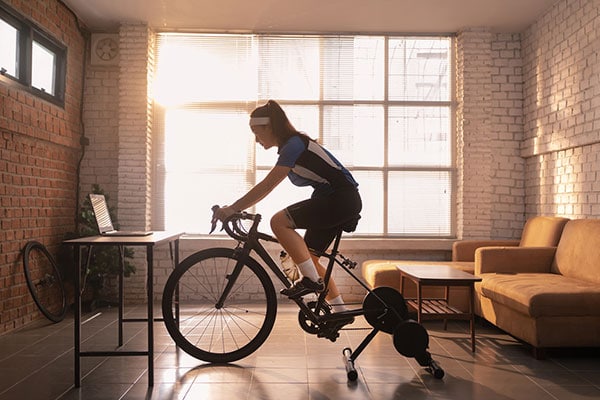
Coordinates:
(438,308)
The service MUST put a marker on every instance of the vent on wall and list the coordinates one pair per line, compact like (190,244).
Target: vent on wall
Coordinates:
(105,49)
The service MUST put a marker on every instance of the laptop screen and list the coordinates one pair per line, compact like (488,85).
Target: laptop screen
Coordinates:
(101,212)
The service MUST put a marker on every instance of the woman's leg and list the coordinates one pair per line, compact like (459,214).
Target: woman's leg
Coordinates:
(289,239)
(333,291)
(296,247)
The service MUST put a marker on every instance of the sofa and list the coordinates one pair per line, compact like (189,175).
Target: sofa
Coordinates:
(537,231)
(547,296)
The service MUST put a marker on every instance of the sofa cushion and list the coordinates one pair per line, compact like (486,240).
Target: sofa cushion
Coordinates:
(464,250)
(578,252)
(542,231)
(541,294)
(379,273)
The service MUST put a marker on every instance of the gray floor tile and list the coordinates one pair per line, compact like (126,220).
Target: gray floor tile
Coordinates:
(37,363)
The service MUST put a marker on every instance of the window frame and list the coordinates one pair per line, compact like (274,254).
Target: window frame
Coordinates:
(386,170)
(28,33)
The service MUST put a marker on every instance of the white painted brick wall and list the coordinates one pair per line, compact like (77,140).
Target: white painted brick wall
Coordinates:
(474,152)
(561,67)
(490,128)
(99,166)
(136,46)
(135,119)
(507,167)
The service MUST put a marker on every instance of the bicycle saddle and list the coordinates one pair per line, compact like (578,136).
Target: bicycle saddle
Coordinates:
(350,225)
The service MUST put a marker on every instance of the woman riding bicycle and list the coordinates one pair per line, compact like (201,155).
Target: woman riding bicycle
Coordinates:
(335,199)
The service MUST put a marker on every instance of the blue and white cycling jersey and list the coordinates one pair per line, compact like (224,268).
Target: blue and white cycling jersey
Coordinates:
(312,165)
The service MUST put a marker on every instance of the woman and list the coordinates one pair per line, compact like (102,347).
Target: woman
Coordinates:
(335,199)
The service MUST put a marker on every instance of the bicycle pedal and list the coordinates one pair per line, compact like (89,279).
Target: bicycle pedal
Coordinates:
(328,334)
(331,330)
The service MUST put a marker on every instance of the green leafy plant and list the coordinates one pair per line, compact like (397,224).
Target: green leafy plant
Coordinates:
(103,260)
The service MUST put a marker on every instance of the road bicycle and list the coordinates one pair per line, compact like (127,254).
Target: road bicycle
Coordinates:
(219,304)
(44,281)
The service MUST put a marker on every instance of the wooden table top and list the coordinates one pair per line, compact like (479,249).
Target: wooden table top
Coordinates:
(437,273)
(155,238)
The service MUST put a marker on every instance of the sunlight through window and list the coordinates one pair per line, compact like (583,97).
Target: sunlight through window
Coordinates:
(391,125)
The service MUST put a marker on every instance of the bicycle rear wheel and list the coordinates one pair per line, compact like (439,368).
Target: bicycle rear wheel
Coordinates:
(216,332)
(44,281)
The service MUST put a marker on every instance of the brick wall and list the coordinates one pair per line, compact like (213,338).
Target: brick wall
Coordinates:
(561,66)
(100,161)
(473,125)
(135,125)
(136,42)
(490,198)
(39,152)
(507,167)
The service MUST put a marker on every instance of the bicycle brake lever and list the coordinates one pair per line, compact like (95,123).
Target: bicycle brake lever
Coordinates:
(213,226)
(214,220)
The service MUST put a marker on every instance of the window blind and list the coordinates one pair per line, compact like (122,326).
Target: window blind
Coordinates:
(380,104)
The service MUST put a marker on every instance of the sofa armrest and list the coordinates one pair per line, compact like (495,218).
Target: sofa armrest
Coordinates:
(464,250)
(514,259)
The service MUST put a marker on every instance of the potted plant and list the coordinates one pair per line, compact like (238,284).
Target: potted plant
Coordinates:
(103,260)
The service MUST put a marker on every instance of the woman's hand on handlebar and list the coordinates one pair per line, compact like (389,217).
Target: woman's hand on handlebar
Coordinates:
(222,213)
(232,223)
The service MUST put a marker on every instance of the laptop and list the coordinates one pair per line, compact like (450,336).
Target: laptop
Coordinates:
(105,225)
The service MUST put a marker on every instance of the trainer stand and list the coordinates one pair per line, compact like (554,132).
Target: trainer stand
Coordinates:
(385,310)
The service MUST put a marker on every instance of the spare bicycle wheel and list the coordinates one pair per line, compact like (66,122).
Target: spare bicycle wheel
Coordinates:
(44,281)
(385,308)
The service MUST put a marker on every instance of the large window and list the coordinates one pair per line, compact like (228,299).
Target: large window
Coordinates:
(30,58)
(380,104)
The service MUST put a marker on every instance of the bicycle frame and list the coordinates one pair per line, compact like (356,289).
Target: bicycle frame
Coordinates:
(252,241)
(383,308)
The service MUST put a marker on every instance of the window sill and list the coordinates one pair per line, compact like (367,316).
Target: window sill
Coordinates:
(190,242)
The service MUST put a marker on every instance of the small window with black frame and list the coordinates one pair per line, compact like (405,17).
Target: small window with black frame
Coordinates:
(31,58)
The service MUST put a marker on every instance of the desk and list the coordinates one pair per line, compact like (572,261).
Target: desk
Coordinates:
(440,275)
(149,242)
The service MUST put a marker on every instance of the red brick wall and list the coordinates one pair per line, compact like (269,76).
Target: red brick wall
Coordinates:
(39,152)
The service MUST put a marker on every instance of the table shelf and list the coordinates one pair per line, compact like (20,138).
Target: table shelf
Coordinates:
(434,306)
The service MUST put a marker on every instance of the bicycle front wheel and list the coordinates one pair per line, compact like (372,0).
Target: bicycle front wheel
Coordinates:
(44,281)
(213,327)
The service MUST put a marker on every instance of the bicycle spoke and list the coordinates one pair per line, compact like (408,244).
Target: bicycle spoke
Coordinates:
(232,324)
(232,318)
(44,281)
(213,327)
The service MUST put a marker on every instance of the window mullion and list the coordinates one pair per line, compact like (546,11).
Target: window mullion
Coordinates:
(25,55)
(386,137)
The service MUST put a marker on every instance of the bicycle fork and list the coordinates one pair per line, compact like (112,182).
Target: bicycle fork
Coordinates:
(241,255)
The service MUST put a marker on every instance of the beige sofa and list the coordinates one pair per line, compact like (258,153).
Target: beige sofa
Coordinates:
(546,296)
(538,231)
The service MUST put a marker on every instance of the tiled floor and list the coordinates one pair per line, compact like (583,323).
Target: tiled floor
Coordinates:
(37,363)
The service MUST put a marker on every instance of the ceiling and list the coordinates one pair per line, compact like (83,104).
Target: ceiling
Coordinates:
(303,16)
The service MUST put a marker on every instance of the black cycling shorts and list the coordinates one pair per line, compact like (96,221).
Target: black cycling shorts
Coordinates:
(323,216)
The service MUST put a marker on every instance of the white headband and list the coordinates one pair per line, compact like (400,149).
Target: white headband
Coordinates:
(259,121)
